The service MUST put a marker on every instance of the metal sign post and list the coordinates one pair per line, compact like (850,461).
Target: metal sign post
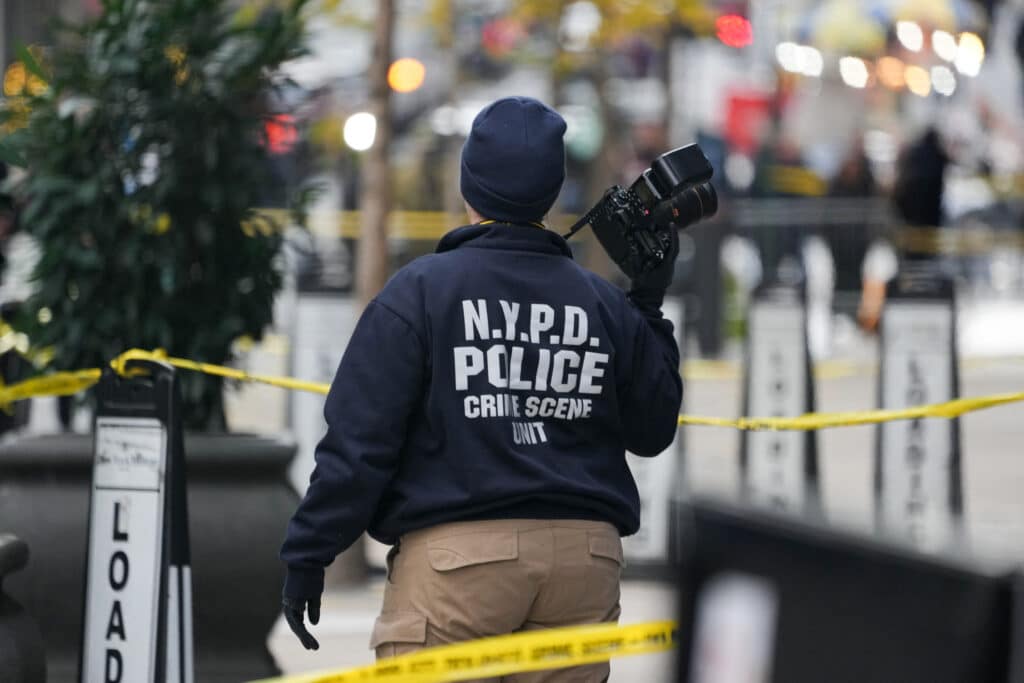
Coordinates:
(138,602)
(779,469)
(917,471)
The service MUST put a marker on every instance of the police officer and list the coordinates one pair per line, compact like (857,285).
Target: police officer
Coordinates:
(480,416)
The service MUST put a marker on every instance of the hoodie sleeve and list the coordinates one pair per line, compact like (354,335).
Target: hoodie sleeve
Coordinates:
(653,393)
(374,392)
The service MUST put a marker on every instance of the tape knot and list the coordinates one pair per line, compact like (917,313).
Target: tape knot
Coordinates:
(120,364)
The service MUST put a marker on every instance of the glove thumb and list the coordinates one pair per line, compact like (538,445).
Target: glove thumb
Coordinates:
(314,611)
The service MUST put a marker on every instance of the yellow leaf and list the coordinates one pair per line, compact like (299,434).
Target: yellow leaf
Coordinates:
(14,79)
(162,224)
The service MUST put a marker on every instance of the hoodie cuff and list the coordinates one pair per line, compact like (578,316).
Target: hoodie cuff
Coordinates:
(648,301)
(301,583)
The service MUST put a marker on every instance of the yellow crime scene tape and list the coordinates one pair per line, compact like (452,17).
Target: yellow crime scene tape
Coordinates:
(516,653)
(812,421)
(521,652)
(430,226)
(66,383)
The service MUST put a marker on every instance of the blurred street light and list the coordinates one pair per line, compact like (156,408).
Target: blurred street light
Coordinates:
(890,72)
(910,35)
(943,80)
(970,54)
(360,131)
(406,74)
(788,55)
(811,61)
(853,71)
(799,59)
(944,45)
(918,81)
(734,30)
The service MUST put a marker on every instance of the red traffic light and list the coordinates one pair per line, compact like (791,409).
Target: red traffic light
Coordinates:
(282,133)
(734,30)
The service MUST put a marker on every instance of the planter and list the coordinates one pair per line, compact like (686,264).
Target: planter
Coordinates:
(21,647)
(239,505)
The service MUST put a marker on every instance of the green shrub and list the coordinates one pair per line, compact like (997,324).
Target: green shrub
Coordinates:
(145,156)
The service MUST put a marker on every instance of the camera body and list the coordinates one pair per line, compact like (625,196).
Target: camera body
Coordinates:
(634,224)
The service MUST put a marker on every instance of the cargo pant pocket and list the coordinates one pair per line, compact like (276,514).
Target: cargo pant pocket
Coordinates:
(469,550)
(606,547)
(398,633)
(607,562)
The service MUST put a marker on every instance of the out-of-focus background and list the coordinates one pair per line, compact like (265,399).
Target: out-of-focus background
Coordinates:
(856,143)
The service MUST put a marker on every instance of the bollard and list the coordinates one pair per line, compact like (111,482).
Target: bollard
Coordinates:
(138,604)
(779,469)
(918,484)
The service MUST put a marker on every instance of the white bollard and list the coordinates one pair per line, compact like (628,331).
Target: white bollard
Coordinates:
(779,469)
(917,480)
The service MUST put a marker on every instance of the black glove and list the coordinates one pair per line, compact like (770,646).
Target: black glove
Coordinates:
(293,612)
(648,289)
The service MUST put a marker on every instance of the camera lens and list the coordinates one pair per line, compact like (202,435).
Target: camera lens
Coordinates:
(686,208)
(708,200)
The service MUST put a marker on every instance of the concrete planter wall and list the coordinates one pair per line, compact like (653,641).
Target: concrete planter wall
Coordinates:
(239,505)
(21,646)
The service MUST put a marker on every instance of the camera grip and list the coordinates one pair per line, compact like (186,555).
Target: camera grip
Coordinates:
(614,242)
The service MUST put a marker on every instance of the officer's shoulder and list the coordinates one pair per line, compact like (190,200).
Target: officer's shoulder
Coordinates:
(413,273)
(601,286)
(405,287)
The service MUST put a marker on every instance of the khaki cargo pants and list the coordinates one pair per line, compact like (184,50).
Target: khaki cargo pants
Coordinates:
(468,580)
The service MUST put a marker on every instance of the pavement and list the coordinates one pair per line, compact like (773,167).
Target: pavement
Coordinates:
(993,480)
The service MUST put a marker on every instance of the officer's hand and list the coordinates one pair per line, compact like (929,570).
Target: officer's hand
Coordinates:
(872,301)
(293,613)
(650,286)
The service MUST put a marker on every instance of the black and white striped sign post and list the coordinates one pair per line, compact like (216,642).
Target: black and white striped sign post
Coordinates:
(779,469)
(917,471)
(138,601)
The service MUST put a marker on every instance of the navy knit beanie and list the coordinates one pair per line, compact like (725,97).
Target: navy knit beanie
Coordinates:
(513,162)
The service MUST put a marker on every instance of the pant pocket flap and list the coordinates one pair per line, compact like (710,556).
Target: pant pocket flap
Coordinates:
(453,552)
(399,627)
(607,547)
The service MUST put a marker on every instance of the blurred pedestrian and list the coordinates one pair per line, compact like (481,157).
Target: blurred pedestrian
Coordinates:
(920,181)
(849,242)
(918,198)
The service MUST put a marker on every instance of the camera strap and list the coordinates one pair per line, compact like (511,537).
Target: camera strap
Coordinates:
(580,224)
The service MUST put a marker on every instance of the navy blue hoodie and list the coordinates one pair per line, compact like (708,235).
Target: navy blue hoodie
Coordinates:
(494,379)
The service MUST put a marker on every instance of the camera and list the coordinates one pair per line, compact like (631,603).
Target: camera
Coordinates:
(634,224)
